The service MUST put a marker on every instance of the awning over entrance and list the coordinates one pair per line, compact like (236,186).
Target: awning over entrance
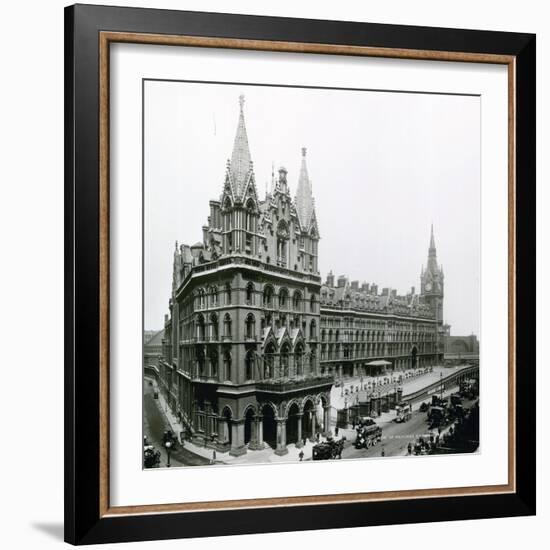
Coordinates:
(379,363)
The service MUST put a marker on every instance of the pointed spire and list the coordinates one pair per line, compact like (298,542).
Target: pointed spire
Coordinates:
(432,266)
(241,163)
(432,240)
(304,195)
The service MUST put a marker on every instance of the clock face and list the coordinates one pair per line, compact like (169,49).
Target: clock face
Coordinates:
(428,286)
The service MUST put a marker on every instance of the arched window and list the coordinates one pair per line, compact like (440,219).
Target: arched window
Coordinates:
(227,326)
(268,363)
(214,363)
(284,359)
(337,335)
(268,296)
(312,330)
(250,293)
(214,296)
(227,365)
(298,359)
(323,334)
(249,365)
(250,217)
(297,301)
(283,298)
(312,361)
(200,362)
(227,293)
(250,326)
(202,298)
(214,324)
(282,238)
(201,328)
(312,303)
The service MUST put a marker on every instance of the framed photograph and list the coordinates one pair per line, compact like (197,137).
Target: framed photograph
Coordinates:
(300,284)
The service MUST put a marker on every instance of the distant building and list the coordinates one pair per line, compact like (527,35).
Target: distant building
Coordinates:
(253,340)
(461,345)
(152,347)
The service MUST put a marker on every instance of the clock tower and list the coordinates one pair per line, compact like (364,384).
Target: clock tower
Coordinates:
(431,286)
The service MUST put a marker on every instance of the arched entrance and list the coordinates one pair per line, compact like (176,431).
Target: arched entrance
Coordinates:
(414,359)
(248,425)
(292,429)
(226,426)
(269,426)
(308,420)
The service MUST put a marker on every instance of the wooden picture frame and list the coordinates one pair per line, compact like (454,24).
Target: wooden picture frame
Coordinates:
(89,32)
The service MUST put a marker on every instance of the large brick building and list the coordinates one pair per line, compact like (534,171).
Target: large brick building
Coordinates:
(254,340)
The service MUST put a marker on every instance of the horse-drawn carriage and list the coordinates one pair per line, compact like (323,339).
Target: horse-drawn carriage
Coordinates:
(369,433)
(329,449)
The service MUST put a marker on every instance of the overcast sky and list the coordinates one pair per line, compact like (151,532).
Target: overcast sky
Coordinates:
(384,166)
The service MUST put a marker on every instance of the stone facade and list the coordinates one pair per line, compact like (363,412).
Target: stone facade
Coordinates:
(253,339)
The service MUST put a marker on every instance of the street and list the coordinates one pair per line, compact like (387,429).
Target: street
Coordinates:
(395,438)
(154,425)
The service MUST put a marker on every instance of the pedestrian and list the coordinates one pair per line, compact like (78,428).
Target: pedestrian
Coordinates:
(304,440)
(336,431)
(383,453)
(409,448)
(213,457)
(301,455)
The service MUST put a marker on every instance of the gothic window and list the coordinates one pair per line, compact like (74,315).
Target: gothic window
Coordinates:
(214,296)
(284,360)
(312,330)
(268,296)
(214,364)
(201,298)
(297,301)
(282,238)
(268,366)
(227,326)
(312,303)
(250,293)
(250,326)
(250,217)
(337,335)
(227,365)
(201,328)
(214,325)
(200,362)
(227,293)
(298,358)
(283,298)
(249,365)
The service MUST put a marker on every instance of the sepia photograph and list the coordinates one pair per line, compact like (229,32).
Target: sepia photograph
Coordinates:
(311,274)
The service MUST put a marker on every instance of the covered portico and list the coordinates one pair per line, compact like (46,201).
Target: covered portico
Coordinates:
(378,367)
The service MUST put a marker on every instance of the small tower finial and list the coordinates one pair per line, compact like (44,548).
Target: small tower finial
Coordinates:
(241,101)
(304,151)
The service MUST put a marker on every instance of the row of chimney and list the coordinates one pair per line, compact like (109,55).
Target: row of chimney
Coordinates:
(365,287)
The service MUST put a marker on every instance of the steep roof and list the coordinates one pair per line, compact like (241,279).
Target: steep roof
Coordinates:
(240,167)
(304,195)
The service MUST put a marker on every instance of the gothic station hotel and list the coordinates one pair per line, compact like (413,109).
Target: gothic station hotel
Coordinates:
(254,341)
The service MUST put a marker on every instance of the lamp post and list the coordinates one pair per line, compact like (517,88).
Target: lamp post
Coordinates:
(168,447)
(441,384)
